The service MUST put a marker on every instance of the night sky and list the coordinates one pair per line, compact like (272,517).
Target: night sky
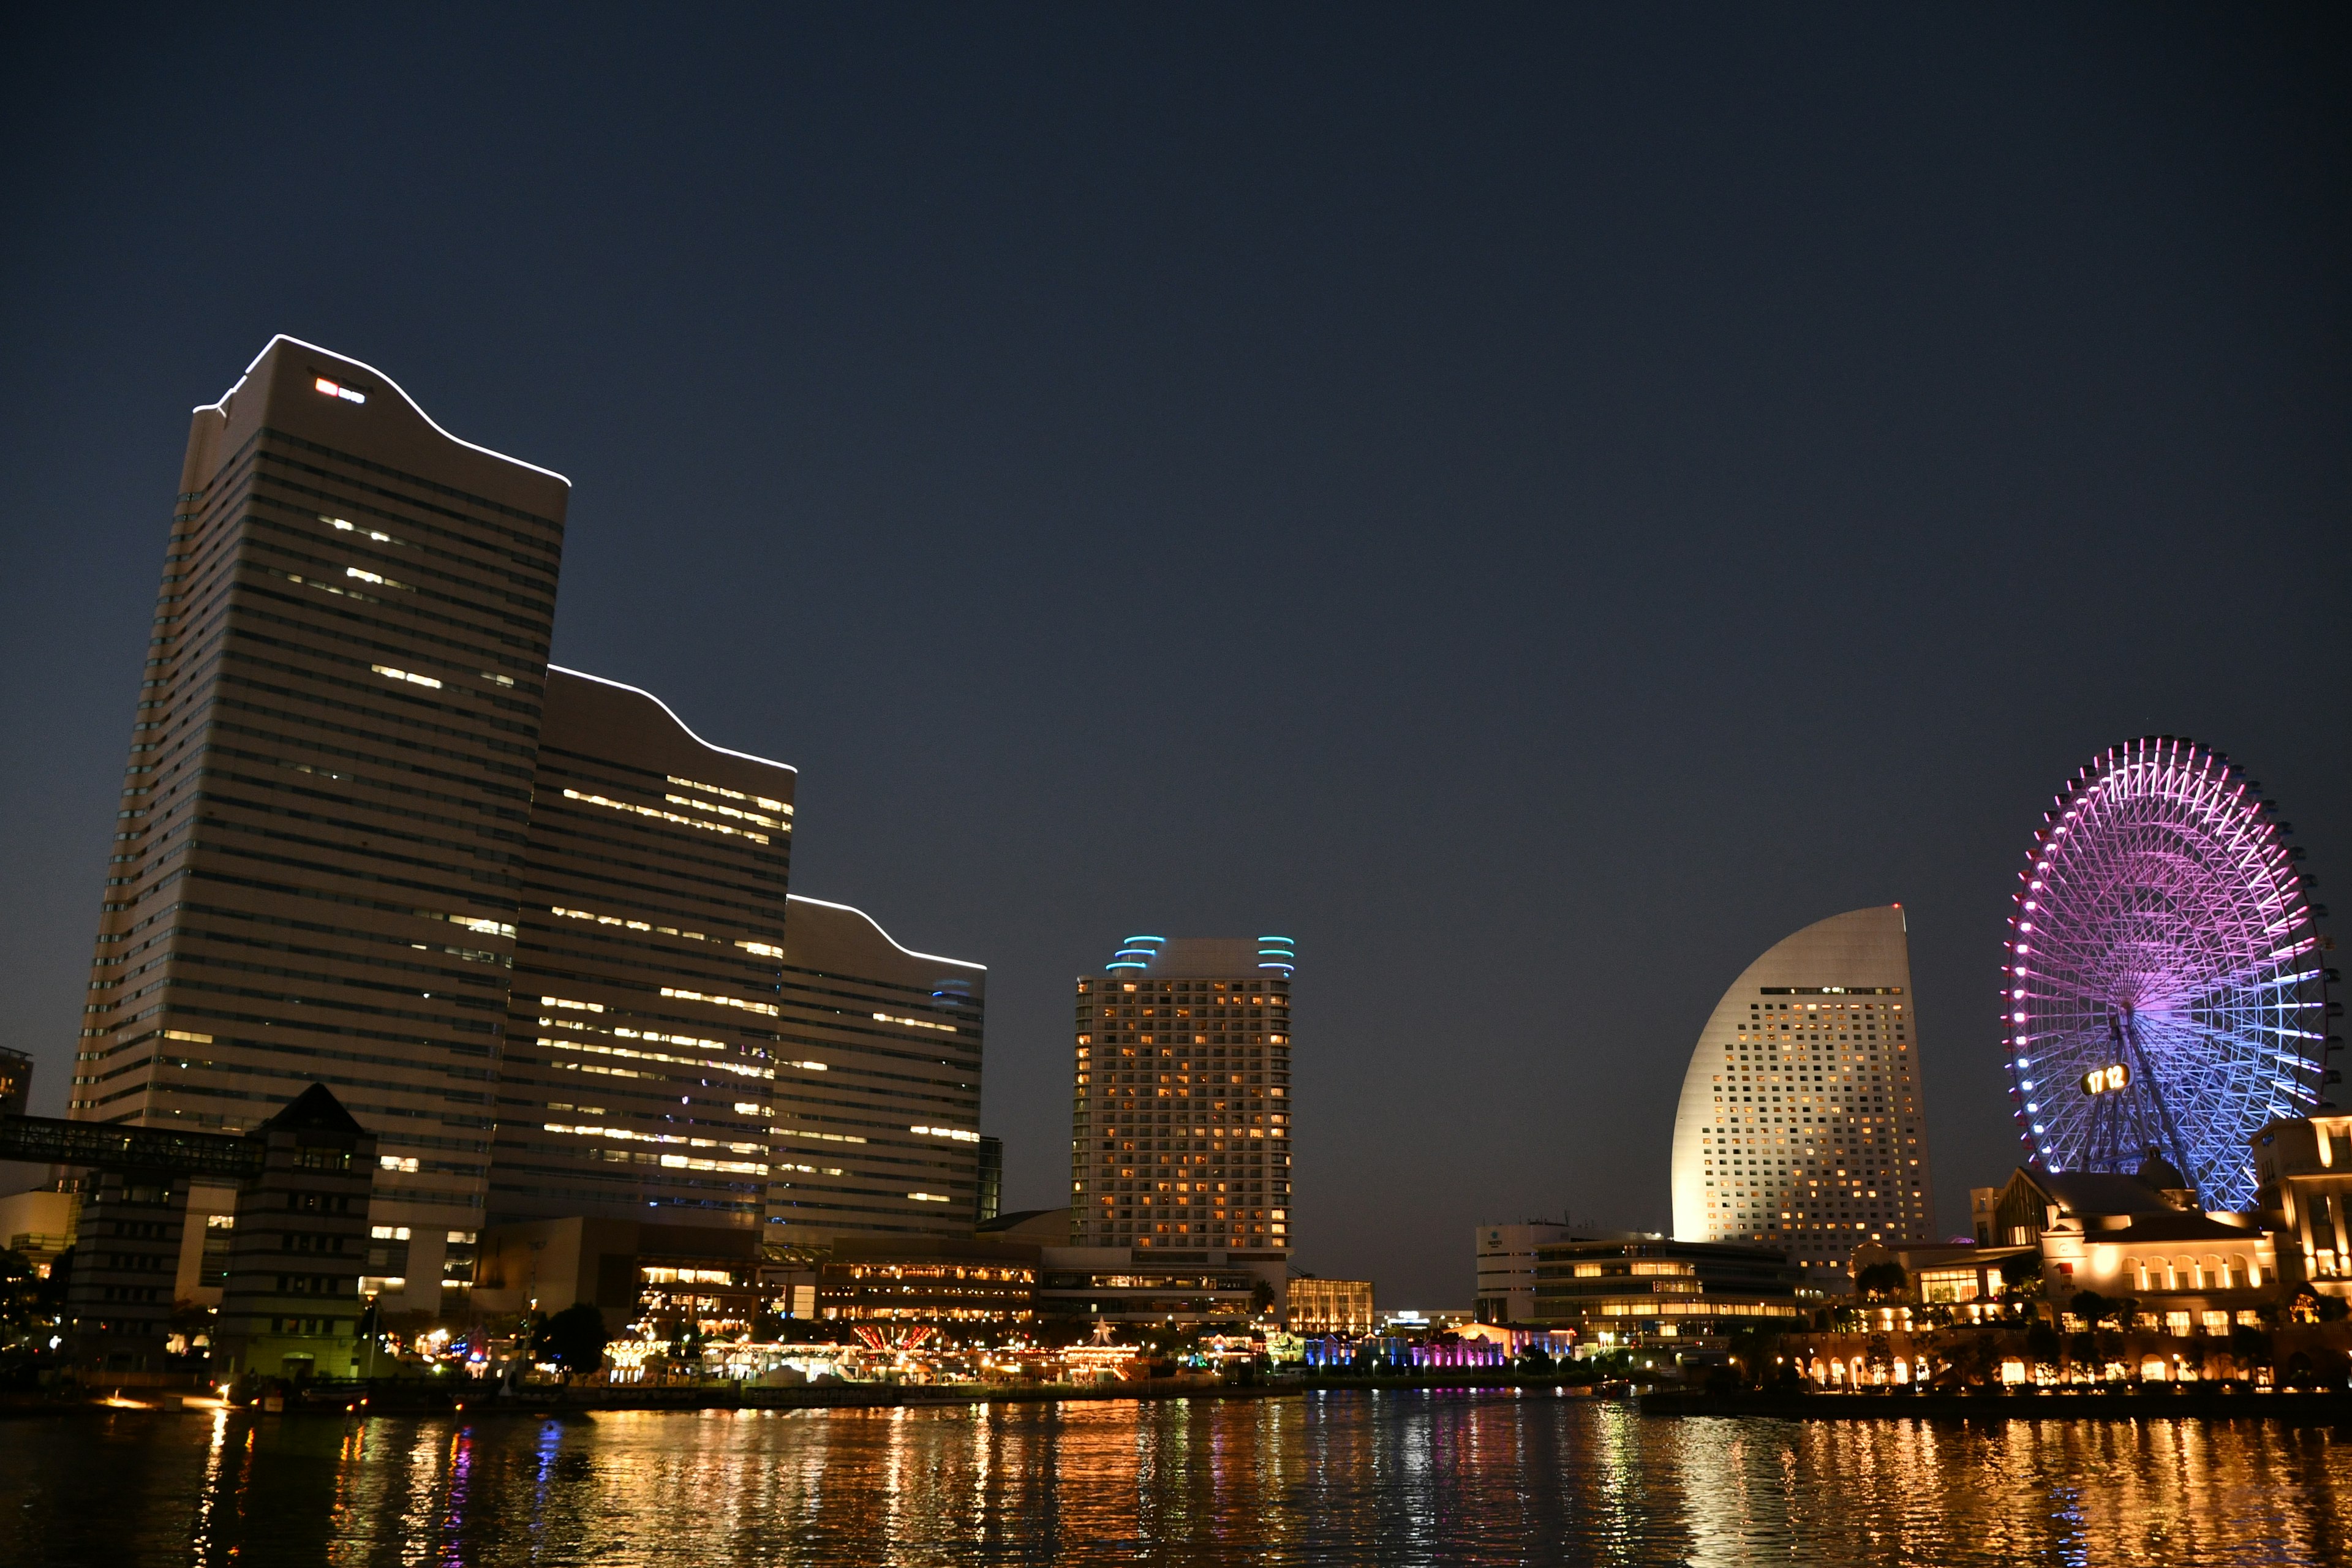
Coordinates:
(1536,506)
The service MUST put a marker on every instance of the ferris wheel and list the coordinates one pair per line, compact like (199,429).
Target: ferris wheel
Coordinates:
(2163,990)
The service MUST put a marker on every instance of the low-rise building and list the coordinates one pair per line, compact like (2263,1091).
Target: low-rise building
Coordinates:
(1517,1339)
(936,1280)
(291,1304)
(1331,1305)
(1114,1284)
(1507,1269)
(1968,1279)
(2139,1239)
(2304,1168)
(1397,1352)
(38,1226)
(634,1271)
(1647,1290)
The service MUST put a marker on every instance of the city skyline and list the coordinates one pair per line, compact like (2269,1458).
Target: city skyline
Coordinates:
(1553,530)
(293,381)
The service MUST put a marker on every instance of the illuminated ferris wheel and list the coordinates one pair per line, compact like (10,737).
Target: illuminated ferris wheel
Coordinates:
(2163,989)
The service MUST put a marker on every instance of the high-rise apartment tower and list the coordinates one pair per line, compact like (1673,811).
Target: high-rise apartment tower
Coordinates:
(1801,1125)
(1182,1117)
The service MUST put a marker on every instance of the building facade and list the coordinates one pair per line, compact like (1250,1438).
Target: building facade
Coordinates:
(988,1199)
(120,1291)
(315,867)
(1125,1285)
(2139,1241)
(639,1068)
(1330,1306)
(291,1305)
(1801,1125)
(646,1278)
(877,1129)
(535,932)
(1182,1113)
(943,1281)
(2304,1170)
(1507,1269)
(1645,1290)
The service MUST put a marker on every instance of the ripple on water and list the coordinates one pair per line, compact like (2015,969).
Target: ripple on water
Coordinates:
(1333,1478)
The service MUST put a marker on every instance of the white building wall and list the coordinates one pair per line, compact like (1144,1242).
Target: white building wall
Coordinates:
(1800,1124)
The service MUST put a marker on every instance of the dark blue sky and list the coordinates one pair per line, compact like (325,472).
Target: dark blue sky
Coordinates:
(1534,505)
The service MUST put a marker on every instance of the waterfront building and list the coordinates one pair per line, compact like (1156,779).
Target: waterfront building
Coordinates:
(1330,1306)
(2138,1237)
(1123,1285)
(2189,1271)
(636,1272)
(38,1225)
(2304,1168)
(329,788)
(126,1260)
(1182,1115)
(1800,1125)
(973,1281)
(1518,1339)
(291,1304)
(1970,1279)
(1647,1291)
(877,1083)
(1342,1353)
(1507,1269)
(638,1079)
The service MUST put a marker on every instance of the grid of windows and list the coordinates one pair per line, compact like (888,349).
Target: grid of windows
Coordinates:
(1841,1076)
(314,868)
(639,1063)
(1800,1125)
(878,1084)
(1182,1111)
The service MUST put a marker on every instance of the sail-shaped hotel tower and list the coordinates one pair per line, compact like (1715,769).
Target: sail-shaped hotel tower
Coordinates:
(1801,1123)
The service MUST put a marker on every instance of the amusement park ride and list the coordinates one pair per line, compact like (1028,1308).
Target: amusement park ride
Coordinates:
(2163,990)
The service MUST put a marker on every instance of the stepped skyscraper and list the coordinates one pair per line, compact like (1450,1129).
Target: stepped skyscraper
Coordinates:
(535,932)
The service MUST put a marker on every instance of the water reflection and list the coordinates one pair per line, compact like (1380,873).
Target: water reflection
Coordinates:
(1329,1479)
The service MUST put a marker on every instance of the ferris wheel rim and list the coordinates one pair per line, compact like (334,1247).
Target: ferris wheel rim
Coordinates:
(2158,904)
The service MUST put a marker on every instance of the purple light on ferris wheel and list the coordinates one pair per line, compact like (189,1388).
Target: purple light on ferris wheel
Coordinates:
(2169,935)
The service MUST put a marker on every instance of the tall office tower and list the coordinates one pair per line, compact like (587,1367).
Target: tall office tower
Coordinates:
(315,870)
(1181,1120)
(877,1083)
(1801,1124)
(638,1075)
